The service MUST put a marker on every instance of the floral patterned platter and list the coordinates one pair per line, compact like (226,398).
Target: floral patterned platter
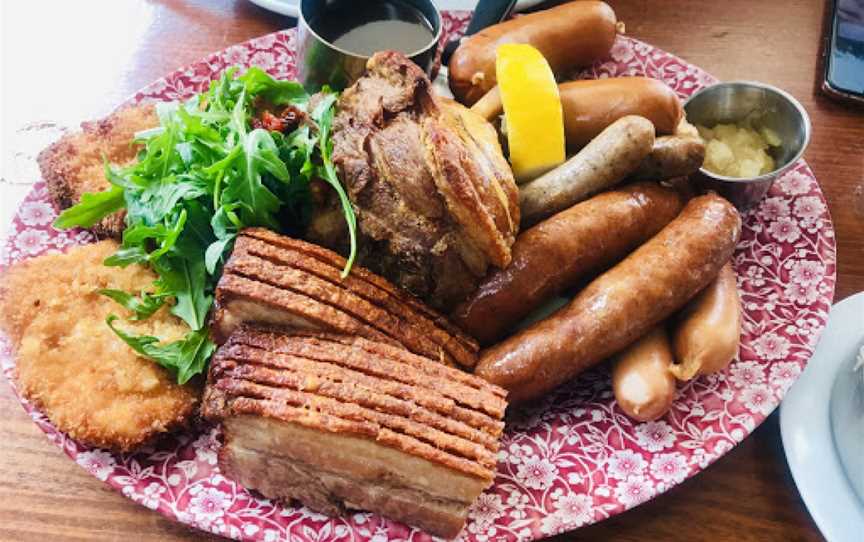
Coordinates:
(574,460)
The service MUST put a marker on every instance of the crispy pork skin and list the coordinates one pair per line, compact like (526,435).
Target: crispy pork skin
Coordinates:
(340,422)
(435,199)
(282,281)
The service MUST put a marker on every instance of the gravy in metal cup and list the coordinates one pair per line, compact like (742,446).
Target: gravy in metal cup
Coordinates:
(336,37)
(364,28)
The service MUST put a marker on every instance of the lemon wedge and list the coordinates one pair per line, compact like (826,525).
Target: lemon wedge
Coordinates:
(532,110)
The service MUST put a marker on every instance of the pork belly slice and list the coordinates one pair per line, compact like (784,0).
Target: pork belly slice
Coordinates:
(340,422)
(240,299)
(360,275)
(367,286)
(282,281)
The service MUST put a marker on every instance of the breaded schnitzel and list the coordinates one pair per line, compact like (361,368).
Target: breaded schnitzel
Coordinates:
(73,165)
(88,382)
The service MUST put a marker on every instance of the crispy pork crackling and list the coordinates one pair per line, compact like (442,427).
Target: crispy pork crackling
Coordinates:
(277,280)
(341,422)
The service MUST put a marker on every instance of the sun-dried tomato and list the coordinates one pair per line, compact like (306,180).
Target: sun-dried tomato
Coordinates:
(271,122)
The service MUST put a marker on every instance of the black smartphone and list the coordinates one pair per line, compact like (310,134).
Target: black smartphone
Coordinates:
(844,52)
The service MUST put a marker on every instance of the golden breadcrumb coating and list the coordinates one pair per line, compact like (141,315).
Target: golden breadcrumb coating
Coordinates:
(73,165)
(88,382)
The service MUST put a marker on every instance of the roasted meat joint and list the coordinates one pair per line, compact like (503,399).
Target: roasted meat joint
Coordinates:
(342,422)
(435,198)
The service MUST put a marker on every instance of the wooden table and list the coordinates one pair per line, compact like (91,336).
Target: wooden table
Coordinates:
(65,62)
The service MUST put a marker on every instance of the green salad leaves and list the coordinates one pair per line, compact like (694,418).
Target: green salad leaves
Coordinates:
(203,175)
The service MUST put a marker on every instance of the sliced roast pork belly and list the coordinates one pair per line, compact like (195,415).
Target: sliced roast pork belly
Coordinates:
(287,282)
(340,422)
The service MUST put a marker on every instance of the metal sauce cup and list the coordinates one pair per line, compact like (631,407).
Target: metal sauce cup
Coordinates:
(321,63)
(733,102)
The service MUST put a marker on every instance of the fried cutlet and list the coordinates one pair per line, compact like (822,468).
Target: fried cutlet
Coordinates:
(88,382)
(74,164)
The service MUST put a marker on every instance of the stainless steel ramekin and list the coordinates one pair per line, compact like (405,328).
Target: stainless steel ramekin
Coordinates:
(733,102)
(320,63)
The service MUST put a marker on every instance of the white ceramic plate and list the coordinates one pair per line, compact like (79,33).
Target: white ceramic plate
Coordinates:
(290,7)
(805,426)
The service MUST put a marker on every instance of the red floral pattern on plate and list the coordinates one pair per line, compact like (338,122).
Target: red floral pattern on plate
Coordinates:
(574,460)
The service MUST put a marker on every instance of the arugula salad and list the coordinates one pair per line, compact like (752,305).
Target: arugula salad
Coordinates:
(208,170)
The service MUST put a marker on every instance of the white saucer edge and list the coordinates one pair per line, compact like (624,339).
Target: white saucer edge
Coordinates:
(805,429)
(289,7)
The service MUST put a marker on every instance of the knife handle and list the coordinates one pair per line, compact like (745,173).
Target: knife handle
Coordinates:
(487,13)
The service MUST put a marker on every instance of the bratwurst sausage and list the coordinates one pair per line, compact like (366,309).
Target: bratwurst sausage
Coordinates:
(671,156)
(606,161)
(619,306)
(558,252)
(569,36)
(591,105)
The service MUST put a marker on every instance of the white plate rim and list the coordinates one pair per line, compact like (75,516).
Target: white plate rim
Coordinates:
(289,7)
(805,429)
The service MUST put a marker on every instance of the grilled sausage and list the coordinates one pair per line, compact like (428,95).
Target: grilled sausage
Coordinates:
(643,384)
(570,35)
(671,156)
(709,329)
(619,306)
(609,158)
(563,249)
(593,104)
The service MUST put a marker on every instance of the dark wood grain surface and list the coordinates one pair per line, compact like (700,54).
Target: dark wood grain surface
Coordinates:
(65,62)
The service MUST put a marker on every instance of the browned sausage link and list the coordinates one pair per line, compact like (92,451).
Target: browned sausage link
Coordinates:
(590,106)
(671,156)
(619,306)
(558,252)
(593,104)
(570,35)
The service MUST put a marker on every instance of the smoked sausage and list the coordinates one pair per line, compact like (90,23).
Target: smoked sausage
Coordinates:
(708,331)
(591,105)
(620,305)
(563,249)
(641,380)
(571,35)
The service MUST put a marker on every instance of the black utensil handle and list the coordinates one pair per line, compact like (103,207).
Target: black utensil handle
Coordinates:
(487,13)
